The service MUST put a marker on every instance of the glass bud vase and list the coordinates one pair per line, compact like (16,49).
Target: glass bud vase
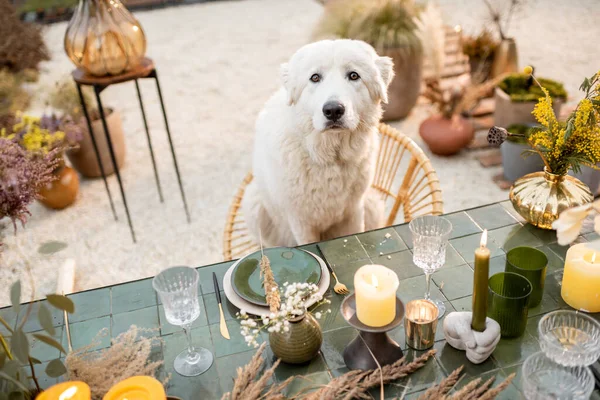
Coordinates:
(103,38)
(540,197)
(301,343)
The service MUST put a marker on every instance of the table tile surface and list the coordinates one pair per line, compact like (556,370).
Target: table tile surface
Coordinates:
(114,309)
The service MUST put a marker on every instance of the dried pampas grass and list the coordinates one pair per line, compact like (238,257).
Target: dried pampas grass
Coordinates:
(129,355)
(432,32)
(251,383)
(271,288)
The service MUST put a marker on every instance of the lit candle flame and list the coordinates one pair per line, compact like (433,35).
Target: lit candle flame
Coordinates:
(483,241)
(374,281)
(68,394)
(593,258)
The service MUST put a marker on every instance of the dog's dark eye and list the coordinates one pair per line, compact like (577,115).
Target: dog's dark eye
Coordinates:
(315,78)
(353,76)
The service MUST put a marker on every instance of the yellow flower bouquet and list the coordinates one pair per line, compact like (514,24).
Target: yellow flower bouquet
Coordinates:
(573,143)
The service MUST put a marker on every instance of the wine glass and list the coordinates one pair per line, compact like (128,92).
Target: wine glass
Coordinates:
(430,236)
(178,291)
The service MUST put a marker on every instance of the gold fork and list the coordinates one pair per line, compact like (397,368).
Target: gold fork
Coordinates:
(339,287)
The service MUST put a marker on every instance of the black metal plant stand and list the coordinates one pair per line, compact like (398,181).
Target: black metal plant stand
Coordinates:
(145,70)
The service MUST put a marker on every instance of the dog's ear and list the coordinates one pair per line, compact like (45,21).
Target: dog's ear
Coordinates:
(290,87)
(385,66)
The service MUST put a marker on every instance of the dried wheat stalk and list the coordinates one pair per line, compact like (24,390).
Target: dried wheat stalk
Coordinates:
(271,288)
(129,355)
(471,391)
(246,386)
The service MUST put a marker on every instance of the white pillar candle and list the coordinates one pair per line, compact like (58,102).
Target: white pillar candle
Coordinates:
(375,291)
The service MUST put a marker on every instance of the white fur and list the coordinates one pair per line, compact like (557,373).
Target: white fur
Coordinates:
(312,182)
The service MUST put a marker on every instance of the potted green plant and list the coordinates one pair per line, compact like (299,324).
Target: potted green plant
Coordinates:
(517,95)
(64,99)
(389,26)
(480,49)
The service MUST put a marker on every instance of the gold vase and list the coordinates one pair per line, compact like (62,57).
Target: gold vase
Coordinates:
(506,58)
(540,197)
(103,38)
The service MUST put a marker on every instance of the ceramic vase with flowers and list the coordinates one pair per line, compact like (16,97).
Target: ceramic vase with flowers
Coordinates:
(295,335)
(49,136)
(541,196)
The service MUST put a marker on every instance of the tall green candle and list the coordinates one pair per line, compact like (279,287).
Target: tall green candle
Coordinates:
(480,284)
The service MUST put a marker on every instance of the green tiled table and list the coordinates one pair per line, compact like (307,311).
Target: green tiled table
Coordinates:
(115,308)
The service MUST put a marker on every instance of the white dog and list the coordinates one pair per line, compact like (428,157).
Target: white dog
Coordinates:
(316,146)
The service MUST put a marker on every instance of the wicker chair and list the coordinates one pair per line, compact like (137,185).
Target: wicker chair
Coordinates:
(404,177)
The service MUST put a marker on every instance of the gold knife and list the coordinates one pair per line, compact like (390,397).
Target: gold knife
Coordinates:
(222,324)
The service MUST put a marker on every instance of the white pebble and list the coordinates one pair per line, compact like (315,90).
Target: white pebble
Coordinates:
(389,257)
(345,240)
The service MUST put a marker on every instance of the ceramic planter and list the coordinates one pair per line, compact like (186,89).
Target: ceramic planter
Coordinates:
(540,197)
(445,136)
(515,165)
(301,343)
(62,192)
(509,113)
(83,158)
(506,58)
(405,88)
(589,176)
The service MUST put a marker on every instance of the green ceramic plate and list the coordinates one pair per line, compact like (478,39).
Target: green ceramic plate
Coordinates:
(288,265)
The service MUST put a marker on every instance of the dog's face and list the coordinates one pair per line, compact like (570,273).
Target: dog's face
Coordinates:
(338,84)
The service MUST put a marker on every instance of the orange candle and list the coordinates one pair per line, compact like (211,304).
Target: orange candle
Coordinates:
(66,391)
(137,388)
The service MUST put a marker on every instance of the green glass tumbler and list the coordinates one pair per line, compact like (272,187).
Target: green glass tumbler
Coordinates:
(508,302)
(530,263)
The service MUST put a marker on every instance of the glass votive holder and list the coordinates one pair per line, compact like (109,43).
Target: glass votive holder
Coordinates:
(508,302)
(530,263)
(420,323)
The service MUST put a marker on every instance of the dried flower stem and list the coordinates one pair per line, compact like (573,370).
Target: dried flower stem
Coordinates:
(271,288)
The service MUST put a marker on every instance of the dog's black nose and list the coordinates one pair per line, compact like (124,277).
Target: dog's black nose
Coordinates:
(333,110)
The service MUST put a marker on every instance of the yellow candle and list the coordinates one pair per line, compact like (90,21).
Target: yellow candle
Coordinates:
(375,290)
(581,278)
(66,391)
(137,388)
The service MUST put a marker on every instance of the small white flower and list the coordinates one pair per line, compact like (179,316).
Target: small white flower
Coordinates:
(318,315)
(286,328)
(272,315)
(243,313)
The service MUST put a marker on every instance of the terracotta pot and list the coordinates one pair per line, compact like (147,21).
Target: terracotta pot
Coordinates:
(62,192)
(405,88)
(301,343)
(444,136)
(83,158)
(510,112)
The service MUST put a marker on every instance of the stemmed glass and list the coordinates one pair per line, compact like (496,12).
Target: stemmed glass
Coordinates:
(430,237)
(178,291)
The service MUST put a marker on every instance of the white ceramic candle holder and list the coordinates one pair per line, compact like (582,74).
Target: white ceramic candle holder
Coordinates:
(479,346)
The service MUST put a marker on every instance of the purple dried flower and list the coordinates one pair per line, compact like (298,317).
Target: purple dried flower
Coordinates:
(21,178)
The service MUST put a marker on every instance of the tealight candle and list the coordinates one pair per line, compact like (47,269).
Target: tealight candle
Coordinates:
(375,290)
(66,391)
(581,278)
(137,388)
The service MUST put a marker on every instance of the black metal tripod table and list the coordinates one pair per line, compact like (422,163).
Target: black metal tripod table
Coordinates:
(146,69)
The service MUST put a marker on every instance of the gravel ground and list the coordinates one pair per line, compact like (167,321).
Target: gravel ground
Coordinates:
(218,64)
